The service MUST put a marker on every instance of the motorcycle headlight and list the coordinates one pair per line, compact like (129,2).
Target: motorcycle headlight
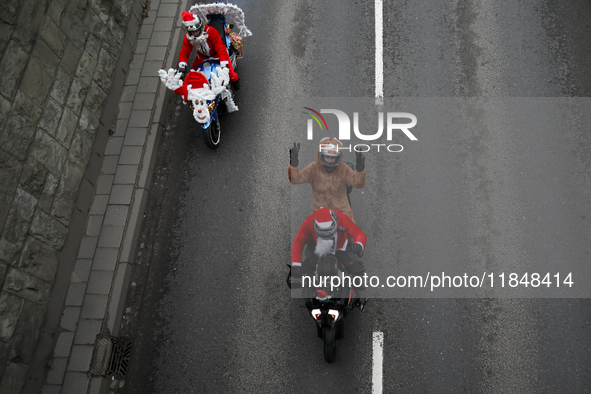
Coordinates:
(334,313)
(315,313)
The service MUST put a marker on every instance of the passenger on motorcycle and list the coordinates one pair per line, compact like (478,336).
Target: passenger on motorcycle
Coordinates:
(328,175)
(326,232)
(207,43)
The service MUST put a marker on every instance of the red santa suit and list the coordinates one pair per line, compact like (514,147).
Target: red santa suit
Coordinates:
(323,218)
(208,45)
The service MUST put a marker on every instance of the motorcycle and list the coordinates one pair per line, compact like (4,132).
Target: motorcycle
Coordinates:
(207,89)
(329,305)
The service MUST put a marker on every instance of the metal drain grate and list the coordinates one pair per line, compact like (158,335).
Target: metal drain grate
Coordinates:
(120,355)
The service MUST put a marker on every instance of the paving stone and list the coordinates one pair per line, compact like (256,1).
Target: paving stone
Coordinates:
(99,204)
(87,247)
(160,38)
(141,46)
(81,271)
(164,24)
(110,164)
(63,346)
(148,85)
(106,259)
(131,155)
(138,61)
(114,146)
(126,174)
(69,319)
(93,227)
(57,372)
(100,282)
(140,118)
(87,331)
(116,215)
(133,77)
(124,110)
(94,306)
(50,388)
(121,194)
(167,10)
(104,184)
(135,136)
(76,293)
(128,94)
(144,101)
(75,383)
(111,237)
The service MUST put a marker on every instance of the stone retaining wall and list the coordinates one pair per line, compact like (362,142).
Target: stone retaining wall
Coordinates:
(60,61)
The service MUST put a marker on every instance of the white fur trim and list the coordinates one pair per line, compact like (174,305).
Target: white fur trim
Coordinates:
(199,94)
(324,225)
(294,264)
(171,79)
(324,246)
(231,10)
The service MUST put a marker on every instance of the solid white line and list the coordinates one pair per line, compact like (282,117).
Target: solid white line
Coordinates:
(379,71)
(378,360)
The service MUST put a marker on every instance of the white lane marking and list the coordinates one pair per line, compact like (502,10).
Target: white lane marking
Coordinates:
(378,360)
(379,60)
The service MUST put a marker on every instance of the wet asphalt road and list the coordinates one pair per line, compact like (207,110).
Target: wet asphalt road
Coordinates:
(210,313)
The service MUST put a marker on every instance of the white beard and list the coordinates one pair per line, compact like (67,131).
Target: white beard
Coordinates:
(200,43)
(324,246)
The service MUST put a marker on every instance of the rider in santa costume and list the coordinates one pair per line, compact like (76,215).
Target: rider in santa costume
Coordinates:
(329,230)
(207,43)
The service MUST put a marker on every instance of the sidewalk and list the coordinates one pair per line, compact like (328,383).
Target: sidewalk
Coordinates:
(89,325)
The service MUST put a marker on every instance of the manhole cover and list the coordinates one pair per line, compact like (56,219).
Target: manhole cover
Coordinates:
(111,357)
(120,355)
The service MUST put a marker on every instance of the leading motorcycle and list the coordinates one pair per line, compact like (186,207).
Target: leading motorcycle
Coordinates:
(329,300)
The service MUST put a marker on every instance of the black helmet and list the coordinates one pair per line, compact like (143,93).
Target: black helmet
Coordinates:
(330,154)
(325,222)
(194,24)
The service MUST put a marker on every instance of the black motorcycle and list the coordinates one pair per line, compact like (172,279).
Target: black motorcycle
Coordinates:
(326,303)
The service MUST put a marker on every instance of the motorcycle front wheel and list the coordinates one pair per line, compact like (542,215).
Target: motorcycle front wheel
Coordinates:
(211,134)
(330,345)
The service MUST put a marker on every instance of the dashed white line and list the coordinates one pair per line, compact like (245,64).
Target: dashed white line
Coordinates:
(379,59)
(377,362)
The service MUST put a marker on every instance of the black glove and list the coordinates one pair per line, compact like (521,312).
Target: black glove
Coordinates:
(360,162)
(183,69)
(296,276)
(357,249)
(296,272)
(293,155)
(236,85)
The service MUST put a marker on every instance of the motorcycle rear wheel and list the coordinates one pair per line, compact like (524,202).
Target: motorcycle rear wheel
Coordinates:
(330,345)
(211,134)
